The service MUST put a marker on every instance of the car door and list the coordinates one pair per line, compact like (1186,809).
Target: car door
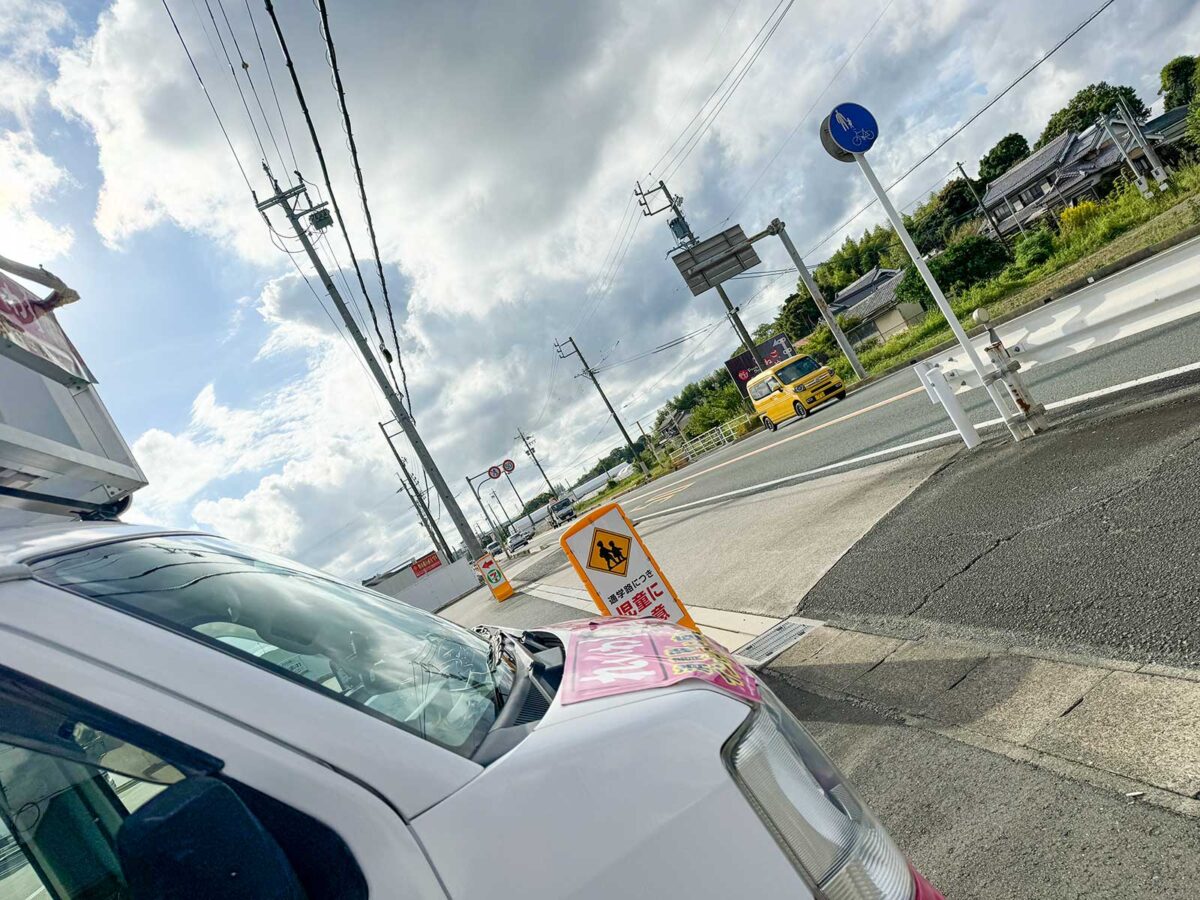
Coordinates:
(779,406)
(44,651)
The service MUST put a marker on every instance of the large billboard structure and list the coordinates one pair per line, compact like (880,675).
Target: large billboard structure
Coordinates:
(60,452)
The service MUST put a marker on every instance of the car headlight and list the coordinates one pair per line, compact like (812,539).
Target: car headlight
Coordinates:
(813,812)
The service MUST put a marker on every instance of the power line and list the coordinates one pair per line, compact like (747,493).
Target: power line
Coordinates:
(208,97)
(787,140)
(250,80)
(654,168)
(331,58)
(337,211)
(236,83)
(711,117)
(959,130)
(271,81)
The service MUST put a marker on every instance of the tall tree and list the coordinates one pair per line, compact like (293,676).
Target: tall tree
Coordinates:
(1009,150)
(1088,105)
(1178,81)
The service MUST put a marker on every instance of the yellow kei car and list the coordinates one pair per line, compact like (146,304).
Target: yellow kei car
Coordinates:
(793,387)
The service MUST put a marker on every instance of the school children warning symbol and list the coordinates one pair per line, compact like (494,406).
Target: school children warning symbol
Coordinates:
(609,553)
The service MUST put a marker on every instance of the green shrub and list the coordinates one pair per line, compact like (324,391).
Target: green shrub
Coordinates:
(962,264)
(1075,219)
(1034,248)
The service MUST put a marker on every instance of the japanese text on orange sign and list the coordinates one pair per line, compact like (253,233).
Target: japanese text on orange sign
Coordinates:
(617,569)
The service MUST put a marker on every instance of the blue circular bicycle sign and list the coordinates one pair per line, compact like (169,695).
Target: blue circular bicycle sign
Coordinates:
(852,128)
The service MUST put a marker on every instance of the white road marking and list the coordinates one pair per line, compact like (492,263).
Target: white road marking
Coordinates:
(921,443)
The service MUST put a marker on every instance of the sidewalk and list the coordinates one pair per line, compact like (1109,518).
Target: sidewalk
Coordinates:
(1085,539)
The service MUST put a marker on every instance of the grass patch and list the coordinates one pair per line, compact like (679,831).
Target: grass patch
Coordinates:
(1122,224)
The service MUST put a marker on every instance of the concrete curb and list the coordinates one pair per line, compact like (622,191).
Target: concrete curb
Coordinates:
(1123,727)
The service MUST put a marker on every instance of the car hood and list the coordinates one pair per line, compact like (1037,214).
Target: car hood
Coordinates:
(613,661)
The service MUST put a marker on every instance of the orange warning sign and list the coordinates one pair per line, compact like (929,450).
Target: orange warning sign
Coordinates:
(617,569)
(609,552)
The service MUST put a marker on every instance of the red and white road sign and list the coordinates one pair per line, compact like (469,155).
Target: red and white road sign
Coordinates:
(508,465)
(494,472)
(617,569)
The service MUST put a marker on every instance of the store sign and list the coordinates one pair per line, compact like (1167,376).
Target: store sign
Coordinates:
(773,350)
(494,577)
(426,564)
(618,571)
(31,335)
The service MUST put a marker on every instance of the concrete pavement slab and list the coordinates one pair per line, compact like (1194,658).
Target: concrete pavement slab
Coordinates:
(982,826)
(848,655)
(919,673)
(1083,538)
(1144,726)
(1013,697)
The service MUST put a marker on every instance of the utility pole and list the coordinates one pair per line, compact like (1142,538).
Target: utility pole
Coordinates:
(508,478)
(507,517)
(288,200)
(687,238)
(418,501)
(592,375)
(527,440)
(649,442)
(983,209)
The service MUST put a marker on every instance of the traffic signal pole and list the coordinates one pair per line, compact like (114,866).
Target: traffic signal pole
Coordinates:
(592,375)
(288,201)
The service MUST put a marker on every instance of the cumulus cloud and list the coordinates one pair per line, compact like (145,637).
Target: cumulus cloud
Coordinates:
(500,146)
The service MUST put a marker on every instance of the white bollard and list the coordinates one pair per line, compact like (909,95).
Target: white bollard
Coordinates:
(940,391)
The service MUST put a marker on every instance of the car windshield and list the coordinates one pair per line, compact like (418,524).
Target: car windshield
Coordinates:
(410,668)
(794,371)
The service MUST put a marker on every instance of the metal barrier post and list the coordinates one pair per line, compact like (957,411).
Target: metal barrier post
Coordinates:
(939,390)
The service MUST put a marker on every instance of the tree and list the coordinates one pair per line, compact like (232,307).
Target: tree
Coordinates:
(1088,105)
(1009,150)
(932,223)
(799,315)
(963,263)
(1178,81)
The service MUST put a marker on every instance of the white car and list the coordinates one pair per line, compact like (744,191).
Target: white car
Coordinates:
(183,716)
(518,540)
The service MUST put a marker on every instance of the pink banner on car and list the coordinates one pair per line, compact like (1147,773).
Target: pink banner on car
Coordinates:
(618,656)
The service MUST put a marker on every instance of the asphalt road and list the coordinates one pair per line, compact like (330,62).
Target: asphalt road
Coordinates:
(895,411)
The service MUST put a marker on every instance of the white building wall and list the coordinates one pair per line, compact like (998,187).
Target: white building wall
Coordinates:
(431,592)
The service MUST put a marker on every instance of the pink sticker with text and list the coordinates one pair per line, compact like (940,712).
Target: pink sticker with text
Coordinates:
(617,656)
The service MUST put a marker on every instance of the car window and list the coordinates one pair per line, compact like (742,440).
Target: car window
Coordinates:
(760,390)
(772,384)
(794,371)
(68,784)
(412,669)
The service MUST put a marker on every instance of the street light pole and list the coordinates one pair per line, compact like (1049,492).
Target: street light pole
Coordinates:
(487,516)
(814,291)
(287,200)
(592,375)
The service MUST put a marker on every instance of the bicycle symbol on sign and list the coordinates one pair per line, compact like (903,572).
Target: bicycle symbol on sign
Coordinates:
(862,136)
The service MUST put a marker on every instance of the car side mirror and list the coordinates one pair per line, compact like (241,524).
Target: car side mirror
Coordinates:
(197,838)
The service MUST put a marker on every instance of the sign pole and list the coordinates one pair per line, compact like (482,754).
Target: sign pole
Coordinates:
(819,299)
(486,516)
(994,390)
(529,516)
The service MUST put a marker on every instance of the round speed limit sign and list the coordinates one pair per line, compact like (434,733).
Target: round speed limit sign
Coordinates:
(508,466)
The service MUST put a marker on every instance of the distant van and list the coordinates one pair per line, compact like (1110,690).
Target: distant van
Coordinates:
(793,387)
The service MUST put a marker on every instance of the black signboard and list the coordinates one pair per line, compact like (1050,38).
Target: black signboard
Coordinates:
(774,349)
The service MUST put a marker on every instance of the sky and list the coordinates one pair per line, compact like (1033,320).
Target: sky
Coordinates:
(500,145)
